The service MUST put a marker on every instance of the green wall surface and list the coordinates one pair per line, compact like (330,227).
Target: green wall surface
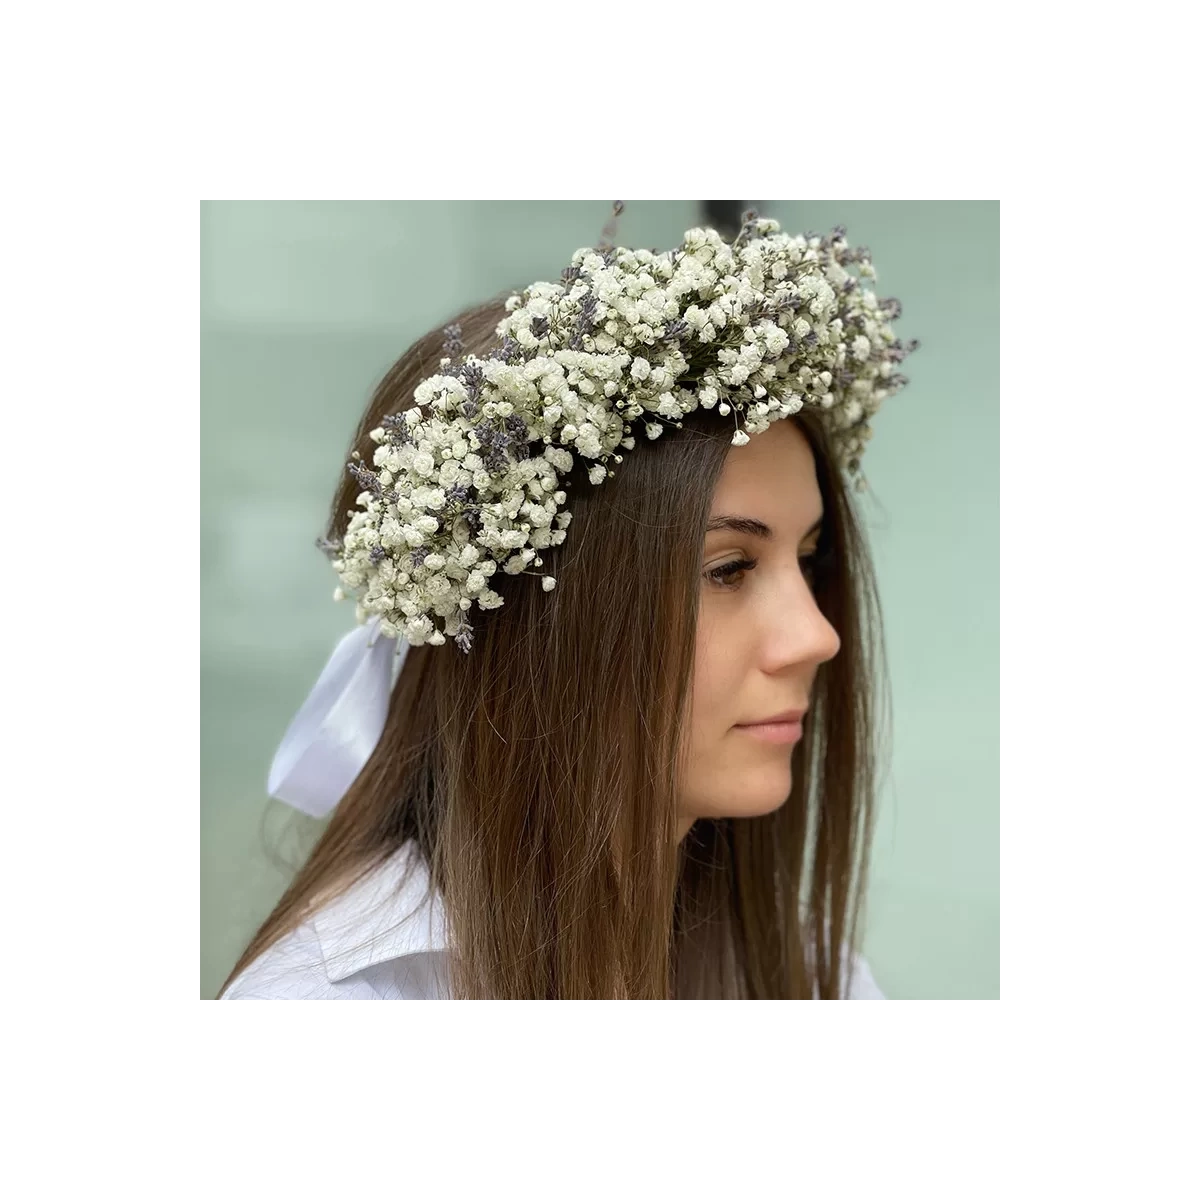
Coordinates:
(305,305)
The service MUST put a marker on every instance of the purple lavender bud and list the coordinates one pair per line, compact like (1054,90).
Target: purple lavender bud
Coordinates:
(365,479)
(587,316)
(494,444)
(419,555)
(472,377)
(378,554)
(396,428)
(463,637)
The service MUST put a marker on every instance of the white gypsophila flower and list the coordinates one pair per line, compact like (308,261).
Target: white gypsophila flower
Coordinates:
(467,481)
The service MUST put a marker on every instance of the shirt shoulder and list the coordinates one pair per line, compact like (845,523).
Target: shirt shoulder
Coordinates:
(859,982)
(383,939)
(294,969)
(862,985)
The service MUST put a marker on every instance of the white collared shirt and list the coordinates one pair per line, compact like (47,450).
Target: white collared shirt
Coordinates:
(382,941)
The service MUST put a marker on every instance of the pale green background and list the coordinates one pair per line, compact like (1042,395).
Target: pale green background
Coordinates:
(304,305)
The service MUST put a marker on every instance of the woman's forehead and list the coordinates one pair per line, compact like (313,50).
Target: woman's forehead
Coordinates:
(774,471)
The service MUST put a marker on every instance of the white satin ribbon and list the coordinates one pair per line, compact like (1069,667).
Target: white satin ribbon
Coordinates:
(330,739)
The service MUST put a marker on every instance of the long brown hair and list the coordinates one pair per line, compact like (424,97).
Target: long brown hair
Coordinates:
(537,774)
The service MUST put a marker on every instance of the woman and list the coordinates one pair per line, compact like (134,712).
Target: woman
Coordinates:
(581,807)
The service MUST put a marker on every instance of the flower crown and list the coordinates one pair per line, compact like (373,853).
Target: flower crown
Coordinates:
(467,481)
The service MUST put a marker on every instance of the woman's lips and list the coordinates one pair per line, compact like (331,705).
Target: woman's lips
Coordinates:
(775,731)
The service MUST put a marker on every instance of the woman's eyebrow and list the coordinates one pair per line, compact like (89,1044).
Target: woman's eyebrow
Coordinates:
(751,526)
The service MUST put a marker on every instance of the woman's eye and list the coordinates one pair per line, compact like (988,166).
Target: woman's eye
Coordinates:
(721,576)
(724,577)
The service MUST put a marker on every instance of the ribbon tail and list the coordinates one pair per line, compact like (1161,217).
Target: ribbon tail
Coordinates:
(330,739)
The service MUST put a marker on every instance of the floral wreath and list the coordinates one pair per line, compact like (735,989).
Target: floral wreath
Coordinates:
(468,480)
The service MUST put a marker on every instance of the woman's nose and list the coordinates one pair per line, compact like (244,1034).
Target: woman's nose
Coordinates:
(799,630)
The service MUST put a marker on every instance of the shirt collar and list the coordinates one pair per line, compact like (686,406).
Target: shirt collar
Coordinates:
(383,916)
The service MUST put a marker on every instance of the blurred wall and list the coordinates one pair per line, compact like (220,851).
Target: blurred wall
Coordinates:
(305,305)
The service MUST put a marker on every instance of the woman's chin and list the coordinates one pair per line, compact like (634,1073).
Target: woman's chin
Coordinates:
(760,806)
(757,802)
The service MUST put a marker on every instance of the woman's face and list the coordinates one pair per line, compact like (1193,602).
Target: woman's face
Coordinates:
(760,636)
